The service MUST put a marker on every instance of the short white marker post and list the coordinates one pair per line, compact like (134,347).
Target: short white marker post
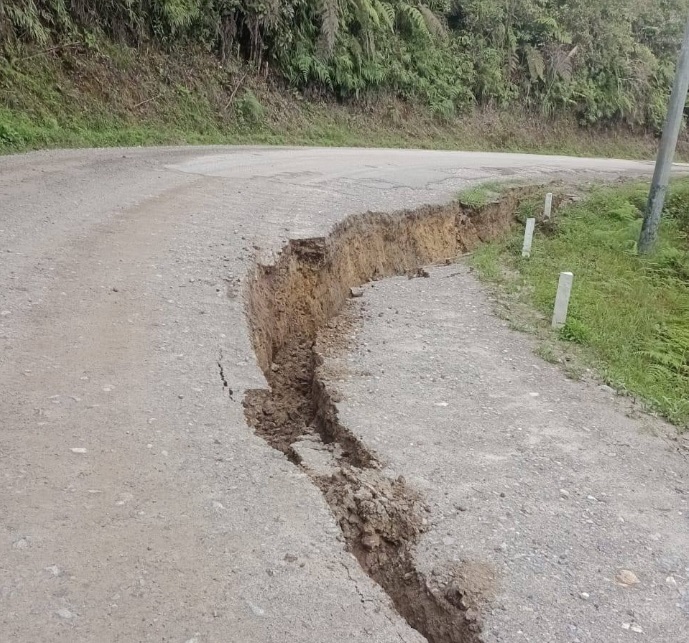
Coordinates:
(528,237)
(548,208)
(564,290)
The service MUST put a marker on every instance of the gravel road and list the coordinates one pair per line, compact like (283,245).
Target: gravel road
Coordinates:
(136,504)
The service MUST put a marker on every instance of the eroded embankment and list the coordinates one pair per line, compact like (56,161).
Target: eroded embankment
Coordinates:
(288,302)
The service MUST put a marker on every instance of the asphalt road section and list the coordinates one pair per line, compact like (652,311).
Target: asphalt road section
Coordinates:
(563,510)
(136,504)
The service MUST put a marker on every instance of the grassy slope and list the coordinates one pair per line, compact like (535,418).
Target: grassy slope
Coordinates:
(102,94)
(629,316)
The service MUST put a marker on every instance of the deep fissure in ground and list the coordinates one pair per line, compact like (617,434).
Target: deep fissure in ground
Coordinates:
(288,303)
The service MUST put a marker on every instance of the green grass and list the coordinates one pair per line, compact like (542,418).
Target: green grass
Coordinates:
(629,315)
(102,94)
(479,195)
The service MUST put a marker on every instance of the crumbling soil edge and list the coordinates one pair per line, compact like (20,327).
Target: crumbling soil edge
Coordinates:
(287,303)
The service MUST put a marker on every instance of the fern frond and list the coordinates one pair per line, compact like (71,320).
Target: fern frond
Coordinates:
(321,72)
(330,23)
(302,63)
(414,18)
(366,14)
(669,351)
(559,63)
(535,63)
(26,22)
(368,20)
(434,25)
(554,30)
(512,62)
(386,14)
(357,52)
(179,14)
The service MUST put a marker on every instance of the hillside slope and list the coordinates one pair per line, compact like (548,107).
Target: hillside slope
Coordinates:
(491,74)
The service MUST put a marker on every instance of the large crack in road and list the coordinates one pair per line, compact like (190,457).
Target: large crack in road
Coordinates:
(288,303)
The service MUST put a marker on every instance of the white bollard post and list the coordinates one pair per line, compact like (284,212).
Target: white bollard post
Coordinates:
(528,237)
(547,209)
(564,290)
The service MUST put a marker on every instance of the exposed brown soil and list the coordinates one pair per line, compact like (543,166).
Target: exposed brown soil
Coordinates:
(288,303)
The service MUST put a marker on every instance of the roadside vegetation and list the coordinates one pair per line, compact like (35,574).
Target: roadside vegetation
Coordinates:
(629,315)
(577,77)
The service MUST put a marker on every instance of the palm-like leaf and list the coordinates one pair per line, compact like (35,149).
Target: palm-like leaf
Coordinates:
(535,63)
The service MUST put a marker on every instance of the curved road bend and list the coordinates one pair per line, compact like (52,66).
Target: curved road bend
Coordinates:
(136,504)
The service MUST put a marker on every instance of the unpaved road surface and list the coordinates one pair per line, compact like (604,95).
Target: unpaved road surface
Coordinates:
(136,502)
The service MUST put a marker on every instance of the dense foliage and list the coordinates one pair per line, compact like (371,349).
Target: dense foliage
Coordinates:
(607,61)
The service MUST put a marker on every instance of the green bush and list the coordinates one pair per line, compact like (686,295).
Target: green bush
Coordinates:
(249,108)
(602,62)
(10,137)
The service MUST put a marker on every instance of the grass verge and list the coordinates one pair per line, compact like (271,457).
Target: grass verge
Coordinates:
(629,315)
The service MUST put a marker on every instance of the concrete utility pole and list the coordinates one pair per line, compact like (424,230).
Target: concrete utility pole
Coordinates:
(666,152)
